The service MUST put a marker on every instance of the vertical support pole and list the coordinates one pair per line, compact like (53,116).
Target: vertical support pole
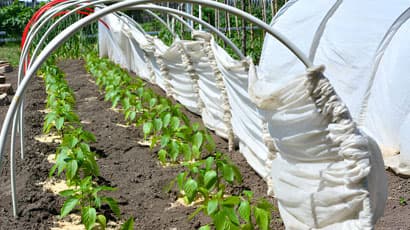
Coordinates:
(236,19)
(264,10)
(272,9)
(251,25)
(200,15)
(189,11)
(243,28)
(168,21)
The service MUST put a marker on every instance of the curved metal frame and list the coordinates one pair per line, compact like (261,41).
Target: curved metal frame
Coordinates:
(144,7)
(69,31)
(46,18)
(162,22)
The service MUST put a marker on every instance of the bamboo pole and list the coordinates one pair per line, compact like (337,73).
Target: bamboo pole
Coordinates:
(264,10)
(236,19)
(251,25)
(272,10)
(228,22)
(243,28)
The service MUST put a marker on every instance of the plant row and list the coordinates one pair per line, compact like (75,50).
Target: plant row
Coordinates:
(74,158)
(208,175)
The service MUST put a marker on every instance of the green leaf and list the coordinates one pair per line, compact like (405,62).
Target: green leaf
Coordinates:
(59,123)
(72,141)
(72,167)
(247,226)
(262,218)
(228,173)
(206,227)
(237,174)
(212,206)
(164,140)
(198,210)
(220,220)
(157,124)
(102,221)
(244,211)
(128,225)
(265,205)
(210,146)
(162,156)
(195,152)
(186,150)
(67,192)
(174,151)
(175,123)
(197,140)
(68,206)
(152,102)
(113,205)
(180,180)
(85,184)
(87,136)
(133,115)
(166,119)
(195,127)
(210,179)
(147,128)
(230,212)
(191,188)
(52,170)
(232,201)
(209,162)
(88,217)
(248,194)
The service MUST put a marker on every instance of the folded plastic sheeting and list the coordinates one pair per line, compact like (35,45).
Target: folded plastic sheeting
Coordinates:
(327,174)
(248,125)
(215,110)
(295,133)
(364,45)
(183,70)
(202,77)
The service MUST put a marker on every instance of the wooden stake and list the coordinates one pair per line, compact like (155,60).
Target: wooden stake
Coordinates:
(243,29)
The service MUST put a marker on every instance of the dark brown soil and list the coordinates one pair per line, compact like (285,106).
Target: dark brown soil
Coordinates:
(133,169)
(396,214)
(128,166)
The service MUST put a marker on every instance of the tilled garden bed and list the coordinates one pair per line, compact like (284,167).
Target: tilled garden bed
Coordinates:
(132,168)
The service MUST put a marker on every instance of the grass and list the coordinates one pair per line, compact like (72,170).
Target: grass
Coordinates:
(10,52)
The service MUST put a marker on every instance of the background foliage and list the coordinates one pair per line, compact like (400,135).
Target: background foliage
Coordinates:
(14,17)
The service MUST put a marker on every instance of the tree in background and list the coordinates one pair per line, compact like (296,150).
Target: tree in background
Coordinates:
(14,17)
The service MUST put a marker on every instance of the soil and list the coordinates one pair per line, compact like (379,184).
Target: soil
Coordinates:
(132,168)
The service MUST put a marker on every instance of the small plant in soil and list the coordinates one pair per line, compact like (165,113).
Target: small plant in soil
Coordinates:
(402,201)
(73,155)
(164,125)
(207,177)
(236,212)
(85,196)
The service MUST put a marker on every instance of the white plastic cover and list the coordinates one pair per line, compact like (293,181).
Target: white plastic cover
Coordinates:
(364,45)
(325,171)
(328,175)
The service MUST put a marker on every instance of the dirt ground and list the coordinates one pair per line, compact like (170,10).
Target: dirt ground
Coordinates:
(132,168)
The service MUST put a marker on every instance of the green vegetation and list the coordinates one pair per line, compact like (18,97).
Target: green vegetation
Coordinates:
(13,18)
(207,173)
(403,201)
(10,52)
(73,155)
